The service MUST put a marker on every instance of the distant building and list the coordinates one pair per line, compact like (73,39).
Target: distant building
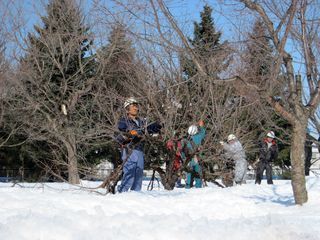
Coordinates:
(104,169)
(100,171)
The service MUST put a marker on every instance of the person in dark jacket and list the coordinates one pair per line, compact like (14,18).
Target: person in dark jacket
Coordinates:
(132,129)
(268,152)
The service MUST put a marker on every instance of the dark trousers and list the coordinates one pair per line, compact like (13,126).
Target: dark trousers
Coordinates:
(260,169)
(307,163)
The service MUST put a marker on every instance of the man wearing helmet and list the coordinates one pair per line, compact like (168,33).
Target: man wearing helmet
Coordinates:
(195,138)
(268,152)
(234,151)
(132,129)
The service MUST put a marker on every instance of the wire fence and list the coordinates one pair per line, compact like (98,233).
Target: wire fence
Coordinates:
(21,174)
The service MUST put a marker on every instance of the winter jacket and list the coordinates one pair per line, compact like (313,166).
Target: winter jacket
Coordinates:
(236,152)
(268,154)
(125,125)
(133,167)
(195,140)
(176,146)
(193,146)
(198,138)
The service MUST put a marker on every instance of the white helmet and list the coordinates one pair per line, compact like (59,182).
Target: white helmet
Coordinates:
(231,137)
(193,130)
(271,134)
(129,101)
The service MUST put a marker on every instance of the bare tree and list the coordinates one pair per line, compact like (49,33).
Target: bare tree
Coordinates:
(291,20)
(75,110)
(53,101)
(169,97)
(2,80)
(289,105)
(5,85)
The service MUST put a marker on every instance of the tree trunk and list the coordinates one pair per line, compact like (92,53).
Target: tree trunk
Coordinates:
(73,174)
(167,178)
(298,181)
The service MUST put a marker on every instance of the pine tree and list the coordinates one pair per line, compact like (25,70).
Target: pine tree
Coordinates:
(116,80)
(203,98)
(258,62)
(58,50)
(213,57)
(56,75)
(206,44)
(259,55)
(117,62)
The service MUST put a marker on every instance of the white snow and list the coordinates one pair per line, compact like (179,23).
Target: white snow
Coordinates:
(61,211)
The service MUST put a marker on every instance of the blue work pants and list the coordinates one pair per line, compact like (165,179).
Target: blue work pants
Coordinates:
(132,171)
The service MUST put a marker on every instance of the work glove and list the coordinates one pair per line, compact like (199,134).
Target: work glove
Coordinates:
(134,133)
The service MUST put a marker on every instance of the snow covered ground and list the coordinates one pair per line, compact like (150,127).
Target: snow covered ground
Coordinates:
(60,211)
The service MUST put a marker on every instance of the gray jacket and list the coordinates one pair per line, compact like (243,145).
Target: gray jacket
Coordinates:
(234,151)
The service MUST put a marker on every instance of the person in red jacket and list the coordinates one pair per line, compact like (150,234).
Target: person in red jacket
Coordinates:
(175,145)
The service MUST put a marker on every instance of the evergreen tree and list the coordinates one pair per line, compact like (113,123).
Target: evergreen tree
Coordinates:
(213,57)
(258,62)
(203,98)
(58,51)
(116,80)
(206,44)
(3,68)
(259,55)
(117,62)
(57,77)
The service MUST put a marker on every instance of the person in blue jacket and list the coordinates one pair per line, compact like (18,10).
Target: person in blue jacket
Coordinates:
(132,129)
(196,136)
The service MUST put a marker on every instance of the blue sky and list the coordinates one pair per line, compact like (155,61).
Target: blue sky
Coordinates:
(183,10)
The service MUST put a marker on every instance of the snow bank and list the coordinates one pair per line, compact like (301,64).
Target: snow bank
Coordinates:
(60,211)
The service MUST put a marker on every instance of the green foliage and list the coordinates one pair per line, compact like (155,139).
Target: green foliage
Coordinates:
(286,174)
(258,63)
(284,134)
(18,154)
(57,71)
(117,62)
(206,38)
(284,156)
(259,51)
(101,152)
(206,44)
(59,52)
